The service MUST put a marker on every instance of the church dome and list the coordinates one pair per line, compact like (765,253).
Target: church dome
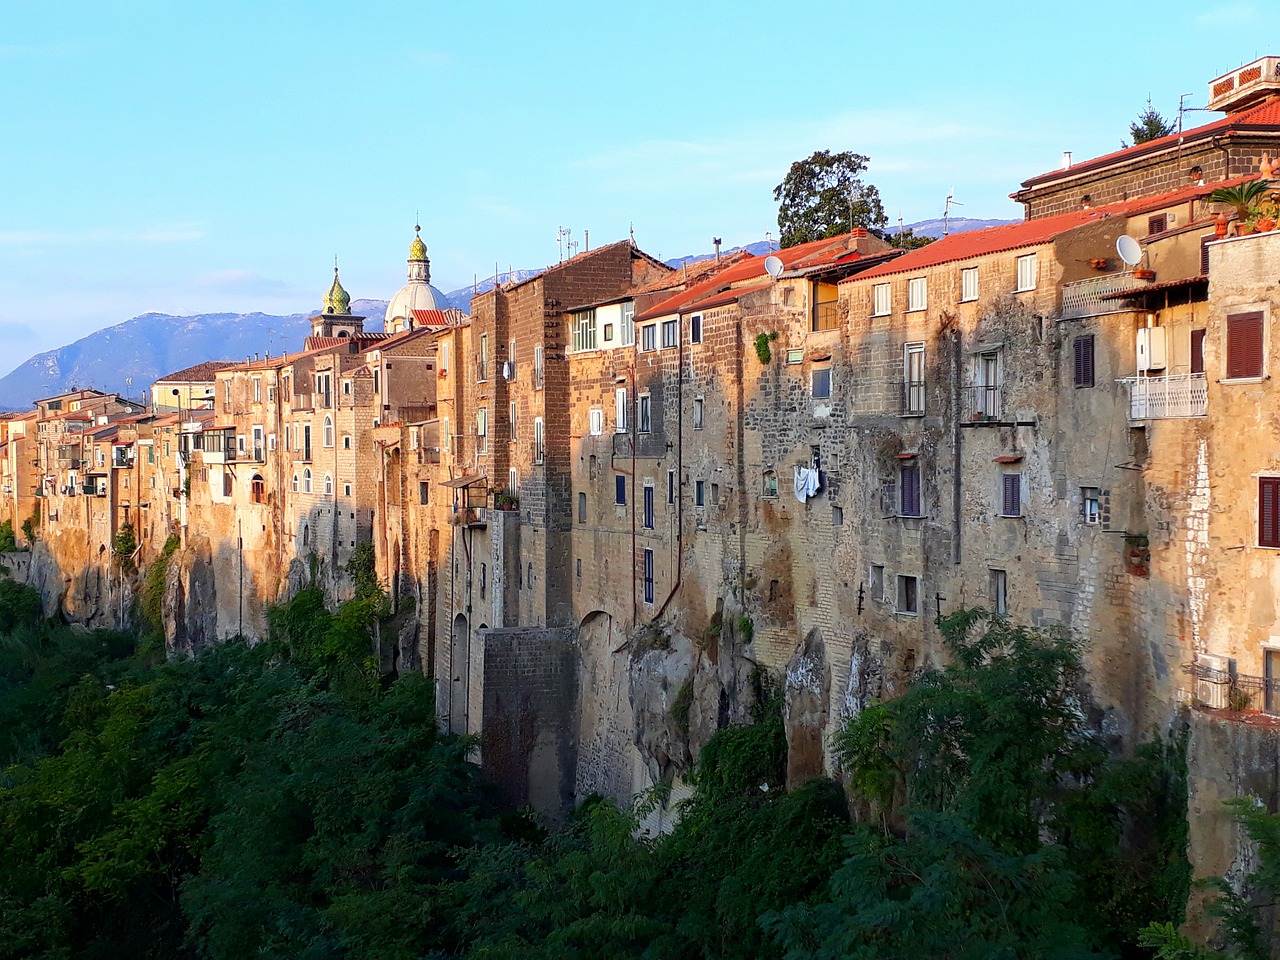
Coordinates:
(337,300)
(418,293)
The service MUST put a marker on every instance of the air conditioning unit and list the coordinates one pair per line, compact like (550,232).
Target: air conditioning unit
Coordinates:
(1152,349)
(1213,680)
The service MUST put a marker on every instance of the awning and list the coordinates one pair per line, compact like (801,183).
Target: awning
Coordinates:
(1010,458)
(1153,288)
(467,481)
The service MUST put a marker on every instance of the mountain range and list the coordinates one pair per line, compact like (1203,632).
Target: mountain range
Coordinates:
(127,357)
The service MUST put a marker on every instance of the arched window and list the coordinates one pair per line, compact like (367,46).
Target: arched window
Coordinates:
(258,489)
(306,534)
(328,484)
(295,483)
(328,431)
(306,480)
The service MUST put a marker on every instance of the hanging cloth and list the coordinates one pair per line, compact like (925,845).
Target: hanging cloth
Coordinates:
(801,484)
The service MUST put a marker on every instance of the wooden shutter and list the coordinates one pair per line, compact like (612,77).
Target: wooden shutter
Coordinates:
(1204,254)
(911,490)
(1244,345)
(1269,511)
(1084,361)
(1012,490)
(1197,351)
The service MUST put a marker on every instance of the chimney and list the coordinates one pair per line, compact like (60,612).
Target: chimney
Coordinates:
(716,242)
(1066,159)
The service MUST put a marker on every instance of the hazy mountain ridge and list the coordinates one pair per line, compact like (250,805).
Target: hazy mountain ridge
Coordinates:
(152,345)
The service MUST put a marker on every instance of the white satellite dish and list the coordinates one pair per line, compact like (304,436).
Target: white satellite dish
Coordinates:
(772,266)
(1129,250)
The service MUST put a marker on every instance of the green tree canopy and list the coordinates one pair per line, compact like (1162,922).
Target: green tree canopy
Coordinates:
(1150,125)
(824,196)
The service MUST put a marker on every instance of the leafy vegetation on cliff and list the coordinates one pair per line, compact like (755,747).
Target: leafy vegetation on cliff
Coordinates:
(276,800)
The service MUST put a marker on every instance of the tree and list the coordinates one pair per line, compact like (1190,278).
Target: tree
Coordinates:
(823,196)
(1150,125)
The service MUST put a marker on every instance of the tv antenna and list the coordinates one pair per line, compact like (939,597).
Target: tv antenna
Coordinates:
(562,235)
(1185,109)
(946,211)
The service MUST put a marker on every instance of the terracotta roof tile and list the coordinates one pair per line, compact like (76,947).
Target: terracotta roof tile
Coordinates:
(200,373)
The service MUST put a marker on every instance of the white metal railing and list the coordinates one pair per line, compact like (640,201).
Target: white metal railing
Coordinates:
(1083,298)
(1168,397)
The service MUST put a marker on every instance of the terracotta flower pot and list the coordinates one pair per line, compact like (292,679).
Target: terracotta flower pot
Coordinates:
(1265,224)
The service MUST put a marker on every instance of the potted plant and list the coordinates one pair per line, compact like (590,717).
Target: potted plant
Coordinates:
(1241,197)
(1143,273)
(506,501)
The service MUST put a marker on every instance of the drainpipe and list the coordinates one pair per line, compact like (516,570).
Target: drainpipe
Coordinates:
(957,436)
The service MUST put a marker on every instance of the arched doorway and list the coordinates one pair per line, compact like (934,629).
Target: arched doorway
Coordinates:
(459,679)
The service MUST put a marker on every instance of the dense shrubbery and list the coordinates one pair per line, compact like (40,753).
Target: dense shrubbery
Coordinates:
(276,801)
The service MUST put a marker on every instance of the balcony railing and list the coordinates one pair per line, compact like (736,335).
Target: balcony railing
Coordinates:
(826,316)
(912,398)
(1083,298)
(982,402)
(1171,397)
(1229,690)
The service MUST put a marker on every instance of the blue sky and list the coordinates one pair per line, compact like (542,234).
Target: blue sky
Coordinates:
(188,157)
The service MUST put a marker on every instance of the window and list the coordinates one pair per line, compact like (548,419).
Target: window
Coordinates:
(648,506)
(328,485)
(608,333)
(1010,494)
(1269,511)
(346,492)
(1027,272)
(484,579)
(327,432)
(695,328)
(670,333)
(646,414)
(513,481)
(908,595)
(795,355)
(968,284)
(240,445)
(837,516)
(257,389)
(424,492)
(620,410)
(512,415)
(700,493)
(306,480)
(1197,351)
(820,383)
(697,413)
(226,392)
(628,331)
(346,388)
(769,488)
(444,358)
(537,367)
(1157,224)
(875,582)
(1204,254)
(986,385)
(377,381)
(539,451)
(881,301)
(271,442)
(582,507)
(1090,504)
(671,486)
(346,441)
(715,493)
(913,379)
(648,576)
(482,430)
(909,482)
(306,441)
(1083,347)
(649,337)
(998,591)
(584,331)
(226,483)
(1244,345)
(294,485)
(917,293)
(619,489)
(597,421)
(482,362)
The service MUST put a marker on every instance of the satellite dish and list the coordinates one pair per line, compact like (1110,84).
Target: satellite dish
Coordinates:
(1129,250)
(772,266)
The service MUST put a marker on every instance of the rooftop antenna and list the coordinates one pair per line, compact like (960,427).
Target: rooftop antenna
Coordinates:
(561,234)
(586,238)
(899,224)
(633,233)
(946,210)
(768,239)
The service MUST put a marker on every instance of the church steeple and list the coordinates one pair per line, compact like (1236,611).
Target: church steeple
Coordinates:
(335,320)
(337,300)
(419,265)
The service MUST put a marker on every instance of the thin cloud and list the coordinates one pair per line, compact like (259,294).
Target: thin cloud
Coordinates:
(165,233)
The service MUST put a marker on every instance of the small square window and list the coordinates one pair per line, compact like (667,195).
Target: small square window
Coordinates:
(1028,269)
(1090,504)
(695,328)
(917,293)
(346,489)
(795,356)
(769,488)
(968,284)
(1011,494)
(820,383)
(346,441)
(424,491)
(670,333)
(1083,361)
(608,333)
(837,516)
(645,420)
(597,422)
(649,337)
(700,493)
(881,300)
(908,595)
(619,489)
(715,493)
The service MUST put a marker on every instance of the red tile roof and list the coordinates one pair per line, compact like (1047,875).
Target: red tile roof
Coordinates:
(1264,116)
(200,373)
(450,317)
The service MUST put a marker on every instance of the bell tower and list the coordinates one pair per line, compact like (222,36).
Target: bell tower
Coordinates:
(337,320)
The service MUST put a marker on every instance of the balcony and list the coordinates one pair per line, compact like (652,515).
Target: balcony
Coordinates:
(471,516)
(1085,298)
(826,316)
(912,396)
(1172,397)
(983,403)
